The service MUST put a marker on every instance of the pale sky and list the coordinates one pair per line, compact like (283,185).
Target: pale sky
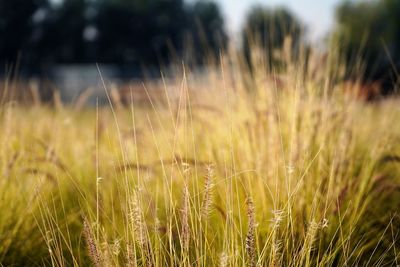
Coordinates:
(318,15)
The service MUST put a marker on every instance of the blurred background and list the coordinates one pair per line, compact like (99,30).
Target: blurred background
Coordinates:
(57,43)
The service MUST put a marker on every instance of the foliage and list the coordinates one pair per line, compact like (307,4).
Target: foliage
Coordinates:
(370,35)
(269,28)
(16,25)
(110,31)
(142,31)
(206,31)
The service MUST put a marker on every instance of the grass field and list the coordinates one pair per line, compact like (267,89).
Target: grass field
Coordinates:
(235,170)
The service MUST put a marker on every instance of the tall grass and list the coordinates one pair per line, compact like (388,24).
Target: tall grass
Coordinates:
(237,168)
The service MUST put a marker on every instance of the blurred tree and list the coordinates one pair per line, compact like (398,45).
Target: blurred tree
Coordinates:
(109,31)
(369,32)
(17,22)
(268,28)
(62,33)
(139,31)
(206,30)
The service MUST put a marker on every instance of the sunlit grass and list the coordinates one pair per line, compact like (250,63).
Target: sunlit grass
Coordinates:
(228,170)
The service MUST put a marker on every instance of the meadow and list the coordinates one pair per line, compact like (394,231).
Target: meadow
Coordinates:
(239,168)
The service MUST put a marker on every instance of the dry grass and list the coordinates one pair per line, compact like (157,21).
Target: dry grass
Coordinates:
(231,169)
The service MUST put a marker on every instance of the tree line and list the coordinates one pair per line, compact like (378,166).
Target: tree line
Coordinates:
(151,32)
(37,32)
(369,34)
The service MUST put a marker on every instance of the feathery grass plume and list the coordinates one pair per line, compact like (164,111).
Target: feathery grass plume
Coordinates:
(136,222)
(130,256)
(185,232)
(251,233)
(116,247)
(107,254)
(308,242)
(140,229)
(223,259)
(93,250)
(208,187)
(275,242)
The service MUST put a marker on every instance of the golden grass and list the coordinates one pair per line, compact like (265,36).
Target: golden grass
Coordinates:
(236,169)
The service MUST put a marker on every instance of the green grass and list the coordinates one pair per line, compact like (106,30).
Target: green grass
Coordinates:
(236,170)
